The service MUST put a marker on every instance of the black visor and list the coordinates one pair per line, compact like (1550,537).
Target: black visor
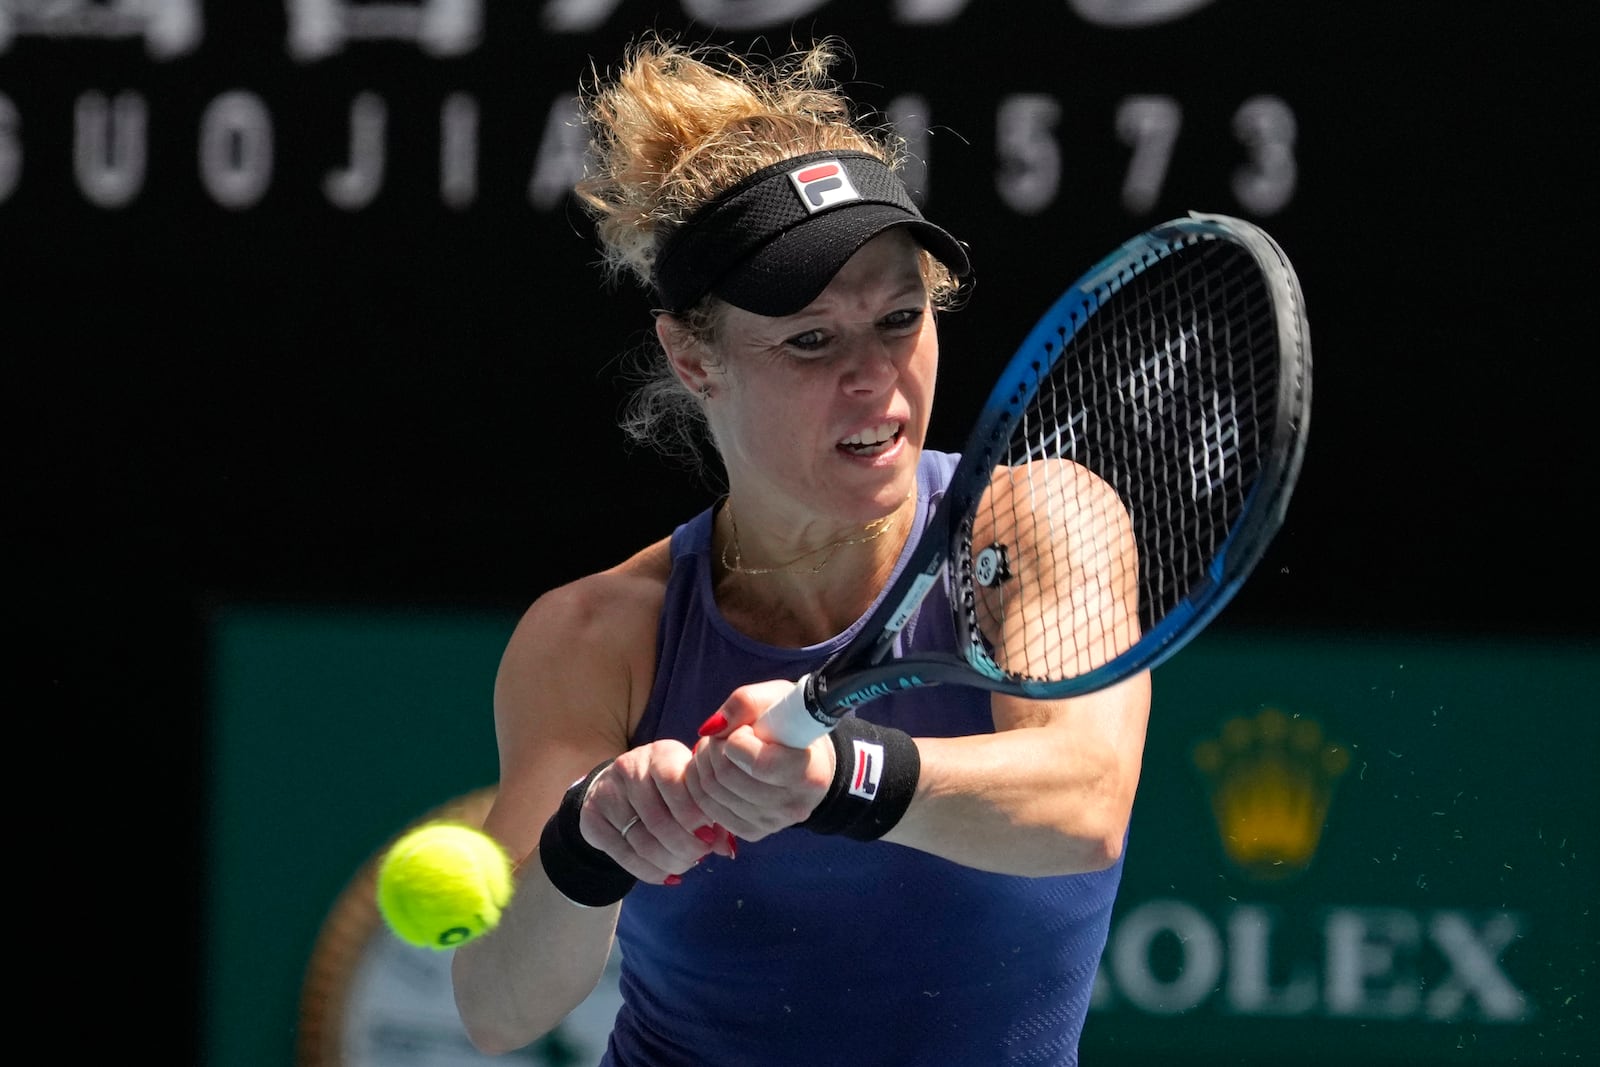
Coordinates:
(774,241)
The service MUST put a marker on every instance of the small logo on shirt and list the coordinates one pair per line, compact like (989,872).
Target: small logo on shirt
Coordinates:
(869,768)
(823,185)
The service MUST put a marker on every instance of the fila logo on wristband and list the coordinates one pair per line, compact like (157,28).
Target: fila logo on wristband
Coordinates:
(869,769)
(823,185)
(867,796)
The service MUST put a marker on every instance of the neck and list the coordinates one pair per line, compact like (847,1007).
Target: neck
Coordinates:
(807,561)
(810,589)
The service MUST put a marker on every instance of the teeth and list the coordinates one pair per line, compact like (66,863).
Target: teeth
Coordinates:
(876,435)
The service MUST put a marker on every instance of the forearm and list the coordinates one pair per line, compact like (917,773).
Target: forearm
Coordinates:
(1015,804)
(1051,797)
(1050,791)
(518,982)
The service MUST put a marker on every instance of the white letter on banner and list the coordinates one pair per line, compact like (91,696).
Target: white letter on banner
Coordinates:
(1149,125)
(560,160)
(1131,13)
(908,114)
(749,14)
(1030,158)
(354,187)
(1266,127)
(1474,957)
(1250,989)
(320,28)
(1198,972)
(109,149)
(576,16)
(172,27)
(458,151)
(928,12)
(236,149)
(10,148)
(1365,944)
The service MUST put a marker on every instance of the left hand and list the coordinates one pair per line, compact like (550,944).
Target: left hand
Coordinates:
(754,788)
(639,813)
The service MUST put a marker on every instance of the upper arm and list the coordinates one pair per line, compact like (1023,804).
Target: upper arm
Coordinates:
(1084,612)
(571,685)
(1071,601)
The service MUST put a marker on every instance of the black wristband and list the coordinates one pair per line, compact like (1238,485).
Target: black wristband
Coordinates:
(579,871)
(874,778)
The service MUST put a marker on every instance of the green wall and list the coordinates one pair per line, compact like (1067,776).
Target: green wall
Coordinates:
(1412,875)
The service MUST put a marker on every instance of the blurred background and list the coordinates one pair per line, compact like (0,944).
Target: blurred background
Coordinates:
(315,382)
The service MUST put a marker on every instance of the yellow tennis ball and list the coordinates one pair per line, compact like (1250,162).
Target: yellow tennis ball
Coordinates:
(443,884)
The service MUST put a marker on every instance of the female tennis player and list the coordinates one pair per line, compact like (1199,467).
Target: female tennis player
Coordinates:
(932,882)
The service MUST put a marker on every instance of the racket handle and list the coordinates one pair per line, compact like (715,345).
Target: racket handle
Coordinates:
(790,721)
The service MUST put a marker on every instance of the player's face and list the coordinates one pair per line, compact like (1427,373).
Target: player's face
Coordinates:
(828,408)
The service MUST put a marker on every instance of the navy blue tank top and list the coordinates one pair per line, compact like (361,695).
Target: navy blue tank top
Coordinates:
(812,949)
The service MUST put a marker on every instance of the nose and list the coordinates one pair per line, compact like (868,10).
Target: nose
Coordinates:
(873,366)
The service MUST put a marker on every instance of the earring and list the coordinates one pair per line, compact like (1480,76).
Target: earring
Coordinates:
(705,392)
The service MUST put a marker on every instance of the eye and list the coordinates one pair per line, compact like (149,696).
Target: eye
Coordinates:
(810,341)
(904,320)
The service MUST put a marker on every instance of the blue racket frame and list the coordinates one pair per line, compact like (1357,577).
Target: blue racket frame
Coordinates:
(861,671)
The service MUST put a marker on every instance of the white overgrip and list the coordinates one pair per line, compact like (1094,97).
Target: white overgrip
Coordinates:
(789,721)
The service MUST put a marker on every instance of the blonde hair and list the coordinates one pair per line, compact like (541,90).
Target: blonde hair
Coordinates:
(673,128)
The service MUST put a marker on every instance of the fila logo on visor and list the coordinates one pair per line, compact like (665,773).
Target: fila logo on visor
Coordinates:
(868,769)
(823,185)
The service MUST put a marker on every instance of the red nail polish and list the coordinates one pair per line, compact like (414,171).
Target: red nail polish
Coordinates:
(707,835)
(733,847)
(672,879)
(714,725)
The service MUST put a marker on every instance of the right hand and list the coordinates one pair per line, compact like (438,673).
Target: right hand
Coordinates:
(749,785)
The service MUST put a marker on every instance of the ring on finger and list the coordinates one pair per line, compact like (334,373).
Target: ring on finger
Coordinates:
(631,824)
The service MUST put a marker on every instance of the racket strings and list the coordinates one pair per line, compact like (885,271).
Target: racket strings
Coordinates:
(1129,466)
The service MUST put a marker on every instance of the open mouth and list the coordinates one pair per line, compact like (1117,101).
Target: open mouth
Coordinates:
(874,441)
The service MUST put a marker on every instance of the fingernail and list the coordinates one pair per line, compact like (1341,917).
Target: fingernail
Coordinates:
(733,847)
(672,879)
(707,835)
(714,725)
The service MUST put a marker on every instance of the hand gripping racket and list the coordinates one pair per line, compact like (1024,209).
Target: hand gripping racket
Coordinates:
(1125,476)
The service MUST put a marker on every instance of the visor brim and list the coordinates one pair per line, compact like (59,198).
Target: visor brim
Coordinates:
(793,269)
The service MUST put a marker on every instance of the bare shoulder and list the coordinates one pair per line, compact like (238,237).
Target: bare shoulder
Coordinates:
(596,635)
(594,605)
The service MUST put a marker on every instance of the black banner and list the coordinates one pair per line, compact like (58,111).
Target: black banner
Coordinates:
(303,304)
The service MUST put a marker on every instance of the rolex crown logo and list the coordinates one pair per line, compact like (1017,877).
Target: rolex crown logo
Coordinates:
(1271,779)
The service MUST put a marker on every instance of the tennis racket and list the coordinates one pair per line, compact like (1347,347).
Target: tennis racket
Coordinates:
(1126,474)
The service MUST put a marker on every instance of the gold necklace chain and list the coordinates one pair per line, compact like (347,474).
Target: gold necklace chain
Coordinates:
(871,532)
